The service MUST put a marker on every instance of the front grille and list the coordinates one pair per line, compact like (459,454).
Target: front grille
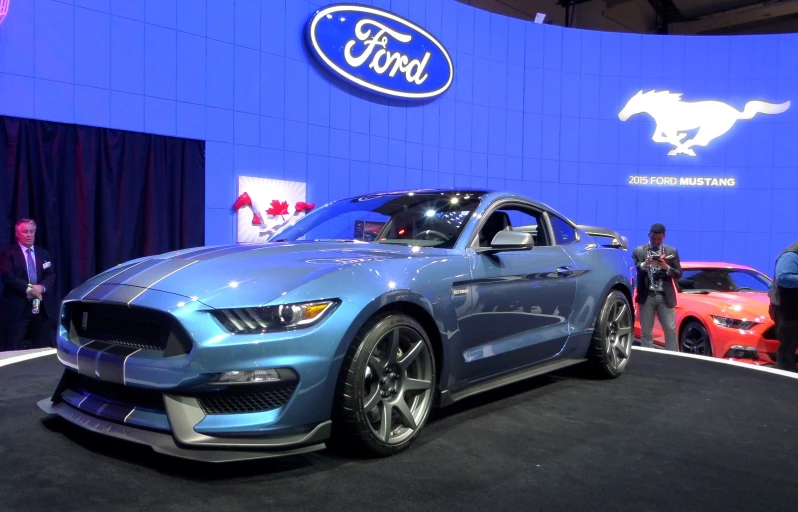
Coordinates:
(233,401)
(124,395)
(126,326)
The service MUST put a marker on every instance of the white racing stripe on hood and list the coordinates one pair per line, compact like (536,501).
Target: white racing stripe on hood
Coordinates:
(160,279)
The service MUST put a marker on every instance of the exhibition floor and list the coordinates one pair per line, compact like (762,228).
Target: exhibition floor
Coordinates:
(674,433)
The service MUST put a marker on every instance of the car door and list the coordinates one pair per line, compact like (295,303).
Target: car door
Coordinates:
(515,311)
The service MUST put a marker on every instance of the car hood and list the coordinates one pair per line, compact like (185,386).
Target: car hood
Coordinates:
(242,275)
(733,304)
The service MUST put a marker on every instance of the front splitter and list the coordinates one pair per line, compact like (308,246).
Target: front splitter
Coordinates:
(161,442)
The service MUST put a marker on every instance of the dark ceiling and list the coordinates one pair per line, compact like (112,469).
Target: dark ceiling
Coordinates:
(695,17)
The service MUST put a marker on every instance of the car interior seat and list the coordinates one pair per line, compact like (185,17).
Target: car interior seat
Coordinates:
(404,226)
(498,221)
(715,281)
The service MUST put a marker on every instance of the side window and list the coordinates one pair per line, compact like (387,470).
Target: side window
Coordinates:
(563,232)
(515,218)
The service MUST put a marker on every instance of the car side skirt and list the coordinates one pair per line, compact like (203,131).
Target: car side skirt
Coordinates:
(447,398)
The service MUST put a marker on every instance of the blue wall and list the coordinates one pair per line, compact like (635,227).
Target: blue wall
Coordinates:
(533,108)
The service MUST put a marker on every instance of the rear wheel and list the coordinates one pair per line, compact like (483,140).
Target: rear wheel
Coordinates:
(611,346)
(386,387)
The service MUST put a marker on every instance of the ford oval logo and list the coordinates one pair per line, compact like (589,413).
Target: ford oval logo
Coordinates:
(380,51)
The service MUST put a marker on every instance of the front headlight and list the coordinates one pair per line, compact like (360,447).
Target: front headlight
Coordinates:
(274,318)
(732,323)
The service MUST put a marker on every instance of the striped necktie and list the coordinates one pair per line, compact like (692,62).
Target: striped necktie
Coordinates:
(31,268)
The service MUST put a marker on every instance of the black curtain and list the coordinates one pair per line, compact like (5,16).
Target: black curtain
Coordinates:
(99,196)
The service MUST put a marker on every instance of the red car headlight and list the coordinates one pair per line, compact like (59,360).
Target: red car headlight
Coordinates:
(733,323)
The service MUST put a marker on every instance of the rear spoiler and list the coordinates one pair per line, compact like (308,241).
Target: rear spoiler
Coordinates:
(616,239)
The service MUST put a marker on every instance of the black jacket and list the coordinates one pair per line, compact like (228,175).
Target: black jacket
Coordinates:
(671,256)
(14,276)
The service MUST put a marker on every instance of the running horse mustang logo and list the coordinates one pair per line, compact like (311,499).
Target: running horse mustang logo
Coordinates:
(675,117)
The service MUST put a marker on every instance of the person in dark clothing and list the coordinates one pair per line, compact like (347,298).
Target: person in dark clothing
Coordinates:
(657,267)
(27,273)
(784,307)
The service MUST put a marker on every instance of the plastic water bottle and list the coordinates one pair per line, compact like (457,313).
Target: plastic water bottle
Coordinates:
(36,303)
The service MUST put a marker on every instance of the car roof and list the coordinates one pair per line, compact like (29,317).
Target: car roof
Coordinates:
(494,195)
(690,265)
(463,190)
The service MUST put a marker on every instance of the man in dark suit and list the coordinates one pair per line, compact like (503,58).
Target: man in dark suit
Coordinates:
(658,266)
(27,273)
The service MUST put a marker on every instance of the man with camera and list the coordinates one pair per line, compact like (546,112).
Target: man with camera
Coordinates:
(658,266)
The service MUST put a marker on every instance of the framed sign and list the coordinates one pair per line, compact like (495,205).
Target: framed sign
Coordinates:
(265,205)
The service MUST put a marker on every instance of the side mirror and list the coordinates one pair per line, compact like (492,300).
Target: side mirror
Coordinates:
(510,241)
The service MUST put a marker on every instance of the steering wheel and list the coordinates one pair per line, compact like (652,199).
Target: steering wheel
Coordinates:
(441,236)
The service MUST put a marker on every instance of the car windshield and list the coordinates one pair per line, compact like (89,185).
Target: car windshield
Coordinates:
(723,280)
(432,219)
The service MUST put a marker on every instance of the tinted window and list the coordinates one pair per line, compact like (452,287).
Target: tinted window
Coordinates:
(750,281)
(513,218)
(424,219)
(563,232)
(723,280)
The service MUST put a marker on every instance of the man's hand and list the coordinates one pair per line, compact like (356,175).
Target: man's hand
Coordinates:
(36,291)
(657,263)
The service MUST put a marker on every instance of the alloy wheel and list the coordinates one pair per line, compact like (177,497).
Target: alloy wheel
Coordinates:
(618,333)
(694,341)
(397,385)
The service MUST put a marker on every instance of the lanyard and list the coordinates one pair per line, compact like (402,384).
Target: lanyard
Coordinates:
(661,249)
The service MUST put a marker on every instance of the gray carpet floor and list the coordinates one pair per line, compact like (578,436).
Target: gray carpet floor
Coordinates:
(673,434)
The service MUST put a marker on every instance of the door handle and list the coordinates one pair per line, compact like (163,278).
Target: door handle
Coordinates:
(564,271)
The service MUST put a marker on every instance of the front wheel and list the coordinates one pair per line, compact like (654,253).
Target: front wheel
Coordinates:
(611,346)
(694,339)
(386,387)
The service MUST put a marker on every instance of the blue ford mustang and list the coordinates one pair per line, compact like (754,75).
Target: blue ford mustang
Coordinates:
(317,338)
